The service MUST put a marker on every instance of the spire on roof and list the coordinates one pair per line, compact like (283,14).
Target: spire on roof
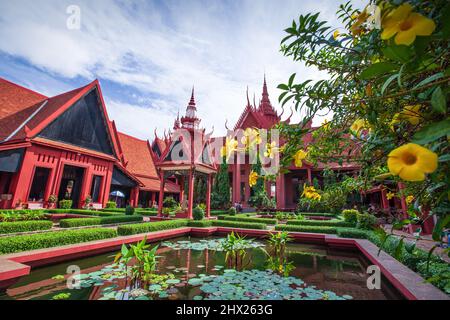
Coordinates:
(264,105)
(248,100)
(190,119)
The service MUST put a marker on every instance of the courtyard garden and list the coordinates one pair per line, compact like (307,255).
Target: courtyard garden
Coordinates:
(387,97)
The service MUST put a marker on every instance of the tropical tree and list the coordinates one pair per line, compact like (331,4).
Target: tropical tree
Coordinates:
(386,95)
(220,196)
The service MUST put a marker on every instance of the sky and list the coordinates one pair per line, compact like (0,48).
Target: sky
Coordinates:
(148,55)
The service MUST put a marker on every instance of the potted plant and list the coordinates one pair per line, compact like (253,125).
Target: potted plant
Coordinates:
(166,212)
(52,200)
(87,201)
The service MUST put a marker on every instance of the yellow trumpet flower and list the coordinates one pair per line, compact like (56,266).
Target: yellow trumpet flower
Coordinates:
(411,162)
(299,157)
(406,25)
(252,178)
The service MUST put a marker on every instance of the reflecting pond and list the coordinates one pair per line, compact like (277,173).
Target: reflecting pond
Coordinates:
(196,269)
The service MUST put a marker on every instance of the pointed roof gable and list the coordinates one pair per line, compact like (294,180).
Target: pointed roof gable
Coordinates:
(29,120)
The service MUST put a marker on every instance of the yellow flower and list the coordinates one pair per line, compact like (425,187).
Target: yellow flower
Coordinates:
(358,125)
(369,91)
(411,162)
(357,28)
(409,200)
(298,157)
(271,149)
(326,125)
(252,178)
(336,34)
(406,25)
(394,121)
(251,136)
(390,195)
(310,193)
(411,114)
(229,147)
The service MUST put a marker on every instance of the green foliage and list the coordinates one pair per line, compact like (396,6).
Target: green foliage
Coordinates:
(220,196)
(317,214)
(65,204)
(21,215)
(23,226)
(234,247)
(246,219)
(366,221)
(352,233)
(129,229)
(53,239)
(111,205)
(261,201)
(79,222)
(200,223)
(129,210)
(200,190)
(329,223)
(238,224)
(232,211)
(83,212)
(198,213)
(373,81)
(170,203)
(308,229)
(350,215)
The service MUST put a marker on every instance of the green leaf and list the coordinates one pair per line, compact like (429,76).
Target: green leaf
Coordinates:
(388,82)
(291,80)
(441,224)
(398,53)
(432,132)
(430,79)
(377,69)
(444,158)
(438,100)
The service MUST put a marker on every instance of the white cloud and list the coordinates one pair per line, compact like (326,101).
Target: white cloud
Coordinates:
(162,50)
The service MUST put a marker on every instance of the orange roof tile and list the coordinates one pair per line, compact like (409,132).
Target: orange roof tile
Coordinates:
(138,156)
(16,105)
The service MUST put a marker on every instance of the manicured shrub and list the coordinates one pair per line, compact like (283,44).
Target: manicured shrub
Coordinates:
(200,223)
(232,211)
(23,226)
(52,239)
(170,202)
(129,210)
(255,220)
(84,212)
(149,213)
(65,204)
(310,229)
(238,224)
(350,215)
(22,215)
(71,223)
(130,229)
(317,214)
(352,233)
(198,213)
(111,205)
(366,221)
(325,223)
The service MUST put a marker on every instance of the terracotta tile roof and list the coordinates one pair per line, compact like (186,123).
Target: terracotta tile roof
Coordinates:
(138,156)
(16,105)
(171,187)
(151,184)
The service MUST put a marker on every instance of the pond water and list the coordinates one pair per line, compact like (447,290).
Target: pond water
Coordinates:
(194,268)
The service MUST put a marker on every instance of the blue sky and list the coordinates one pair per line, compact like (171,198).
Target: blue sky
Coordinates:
(148,54)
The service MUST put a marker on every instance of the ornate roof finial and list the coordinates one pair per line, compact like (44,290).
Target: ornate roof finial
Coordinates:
(192,96)
(248,101)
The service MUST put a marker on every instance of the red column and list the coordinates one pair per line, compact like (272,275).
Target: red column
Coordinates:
(191,194)
(134,197)
(107,185)
(161,193)
(153,199)
(384,200)
(181,189)
(281,199)
(22,182)
(85,186)
(208,196)
(309,175)
(237,183)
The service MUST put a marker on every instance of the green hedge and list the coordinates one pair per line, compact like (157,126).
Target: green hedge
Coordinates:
(23,226)
(352,233)
(324,223)
(200,223)
(245,219)
(306,214)
(80,222)
(310,229)
(130,229)
(52,239)
(20,211)
(238,224)
(83,212)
